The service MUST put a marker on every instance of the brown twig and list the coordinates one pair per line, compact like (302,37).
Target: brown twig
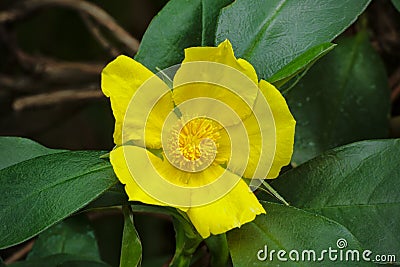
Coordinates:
(395,127)
(96,32)
(394,78)
(57,97)
(18,83)
(59,71)
(93,10)
(47,72)
(394,83)
(48,69)
(395,93)
(20,253)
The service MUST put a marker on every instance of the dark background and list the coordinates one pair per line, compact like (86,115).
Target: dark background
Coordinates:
(59,34)
(35,56)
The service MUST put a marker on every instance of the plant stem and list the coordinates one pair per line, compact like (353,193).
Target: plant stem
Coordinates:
(272,191)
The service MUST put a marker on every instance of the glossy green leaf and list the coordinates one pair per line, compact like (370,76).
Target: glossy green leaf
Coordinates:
(219,251)
(210,13)
(356,185)
(300,63)
(131,249)
(396,3)
(288,228)
(179,25)
(72,236)
(186,237)
(17,149)
(187,241)
(343,98)
(42,191)
(60,260)
(115,196)
(276,32)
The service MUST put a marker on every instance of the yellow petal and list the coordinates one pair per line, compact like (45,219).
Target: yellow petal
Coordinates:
(153,180)
(270,135)
(256,146)
(224,148)
(222,54)
(236,208)
(285,126)
(215,73)
(184,178)
(121,80)
(133,190)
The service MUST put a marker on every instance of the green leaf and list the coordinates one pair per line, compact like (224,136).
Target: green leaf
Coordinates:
(300,63)
(210,13)
(16,149)
(42,191)
(186,236)
(343,98)
(179,25)
(60,260)
(356,185)
(72,236)
(396,3)
(187,241)
(276,32)
(115,196)
(131,249)
(219,251)
(288,228)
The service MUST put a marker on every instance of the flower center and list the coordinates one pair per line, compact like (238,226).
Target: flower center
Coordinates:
(193,145)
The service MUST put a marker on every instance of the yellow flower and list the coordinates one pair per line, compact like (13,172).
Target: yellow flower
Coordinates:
(190,147)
